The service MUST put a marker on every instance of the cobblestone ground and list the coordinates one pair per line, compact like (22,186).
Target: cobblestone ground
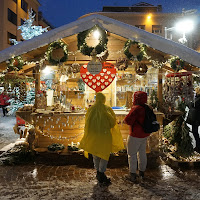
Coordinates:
(73,177)
(52,177)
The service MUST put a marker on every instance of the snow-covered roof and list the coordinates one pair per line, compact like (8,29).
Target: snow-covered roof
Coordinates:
(111,25)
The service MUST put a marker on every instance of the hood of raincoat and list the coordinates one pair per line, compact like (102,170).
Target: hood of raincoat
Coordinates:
(100,98)
(139,98)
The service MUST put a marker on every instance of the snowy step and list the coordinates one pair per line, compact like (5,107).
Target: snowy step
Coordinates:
(7,147)
(11,145)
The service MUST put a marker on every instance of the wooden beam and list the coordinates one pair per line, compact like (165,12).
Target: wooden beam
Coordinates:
(36,73)
(160,86)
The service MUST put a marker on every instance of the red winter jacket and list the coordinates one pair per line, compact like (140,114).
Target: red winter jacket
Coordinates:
(136,115)
(3,99)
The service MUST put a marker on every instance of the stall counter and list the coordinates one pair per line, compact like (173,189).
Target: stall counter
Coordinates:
(67,128)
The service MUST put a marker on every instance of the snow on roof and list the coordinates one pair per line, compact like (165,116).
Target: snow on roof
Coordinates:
(111,25)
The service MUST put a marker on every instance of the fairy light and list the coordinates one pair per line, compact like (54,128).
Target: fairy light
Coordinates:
(96,34)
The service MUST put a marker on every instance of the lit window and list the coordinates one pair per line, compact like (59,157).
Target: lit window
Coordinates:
(140,26)
(156,29)
(12,17)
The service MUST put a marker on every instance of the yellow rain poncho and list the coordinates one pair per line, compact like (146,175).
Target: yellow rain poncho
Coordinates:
(99,121)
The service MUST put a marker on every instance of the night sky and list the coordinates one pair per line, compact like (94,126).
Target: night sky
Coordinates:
(60,12)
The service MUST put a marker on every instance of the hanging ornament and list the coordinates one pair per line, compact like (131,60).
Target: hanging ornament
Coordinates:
(100,81)
(94,66)
(76,67)
(141,69)
(122,64)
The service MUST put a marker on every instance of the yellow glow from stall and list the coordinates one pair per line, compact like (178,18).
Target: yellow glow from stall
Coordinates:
(149,17)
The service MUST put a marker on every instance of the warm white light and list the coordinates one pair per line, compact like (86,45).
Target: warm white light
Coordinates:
(185,26)
(64,78)
(96,34)
(149,17)
(46,70)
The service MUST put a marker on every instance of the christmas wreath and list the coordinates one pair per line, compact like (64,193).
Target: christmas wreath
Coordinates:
(129,55)
(60,58)
(177,64)
(15,64)
(87,50)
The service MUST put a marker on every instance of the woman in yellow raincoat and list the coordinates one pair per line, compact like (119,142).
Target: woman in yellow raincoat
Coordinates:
(101,135)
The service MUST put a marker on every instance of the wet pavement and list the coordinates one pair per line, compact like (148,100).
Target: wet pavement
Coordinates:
(54,176)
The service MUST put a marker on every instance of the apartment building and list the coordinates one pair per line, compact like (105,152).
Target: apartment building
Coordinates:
(12,15)
(152,19)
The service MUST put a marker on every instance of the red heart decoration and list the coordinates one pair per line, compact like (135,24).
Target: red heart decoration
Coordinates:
(100,81)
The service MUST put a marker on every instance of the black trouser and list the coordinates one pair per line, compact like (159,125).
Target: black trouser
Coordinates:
(196,136)
(4,109)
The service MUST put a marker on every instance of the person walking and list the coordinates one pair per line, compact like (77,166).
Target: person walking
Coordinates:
(4,102)
(100,134)
(193,118)
(137,139)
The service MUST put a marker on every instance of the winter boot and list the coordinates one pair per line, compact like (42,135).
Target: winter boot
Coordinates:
(133,177)
(102,178)
(141,174)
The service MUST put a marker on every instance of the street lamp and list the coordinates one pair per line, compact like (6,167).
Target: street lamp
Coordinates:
(184,26)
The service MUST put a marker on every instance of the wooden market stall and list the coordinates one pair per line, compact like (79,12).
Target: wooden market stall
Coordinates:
(129,60)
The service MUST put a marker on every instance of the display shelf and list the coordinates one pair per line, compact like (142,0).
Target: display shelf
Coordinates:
(74,91)
(73,80)
(126,79)
(124,91)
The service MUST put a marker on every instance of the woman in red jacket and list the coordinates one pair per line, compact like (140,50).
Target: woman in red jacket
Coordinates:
(4,102)
(137,139)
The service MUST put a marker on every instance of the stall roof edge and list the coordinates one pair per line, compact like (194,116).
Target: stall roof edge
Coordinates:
(119,28)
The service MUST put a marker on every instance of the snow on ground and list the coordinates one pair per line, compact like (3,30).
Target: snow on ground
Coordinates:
(7,134)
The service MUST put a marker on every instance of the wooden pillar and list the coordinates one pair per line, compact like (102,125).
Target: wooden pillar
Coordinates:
(160,87)
(36,76)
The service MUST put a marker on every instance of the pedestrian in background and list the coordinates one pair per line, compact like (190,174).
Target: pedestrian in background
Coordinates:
(137,139)
(4,102)
(101,136)
(193,118)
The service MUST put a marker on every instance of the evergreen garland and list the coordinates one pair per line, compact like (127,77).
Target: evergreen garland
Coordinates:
(87,50)
(56,45)
(15,63)
(129,55)
(56,147)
